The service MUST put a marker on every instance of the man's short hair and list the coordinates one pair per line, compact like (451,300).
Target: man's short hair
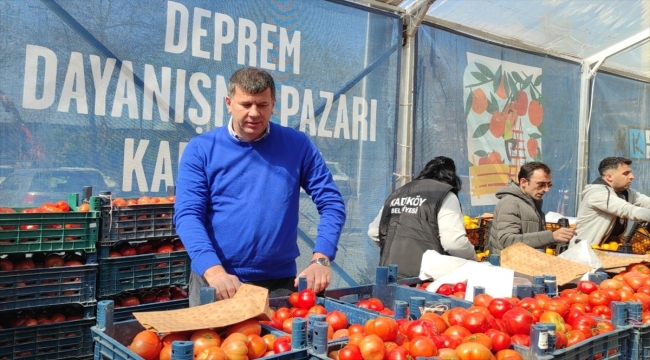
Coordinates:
(528,169)
(252,80)
(612,163)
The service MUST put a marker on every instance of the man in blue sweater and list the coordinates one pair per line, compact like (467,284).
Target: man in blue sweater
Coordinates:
(237,198)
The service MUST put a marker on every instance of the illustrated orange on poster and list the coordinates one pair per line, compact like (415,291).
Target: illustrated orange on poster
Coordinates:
(504,108)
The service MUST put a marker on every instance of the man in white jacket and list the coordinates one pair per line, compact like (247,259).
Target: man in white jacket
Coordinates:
(608,202)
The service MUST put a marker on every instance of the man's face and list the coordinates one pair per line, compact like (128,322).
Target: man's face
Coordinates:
(537,185)
(620,178)
(251,113)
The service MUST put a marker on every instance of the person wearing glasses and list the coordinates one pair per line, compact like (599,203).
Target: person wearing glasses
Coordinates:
(518,216)
(608,202)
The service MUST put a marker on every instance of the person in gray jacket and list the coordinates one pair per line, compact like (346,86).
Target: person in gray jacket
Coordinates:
(518,216)
(608,202)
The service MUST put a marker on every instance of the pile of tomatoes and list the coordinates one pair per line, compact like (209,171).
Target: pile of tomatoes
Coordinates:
(149,295)
(42,316)
(240,341)
(143,200)
(153,246)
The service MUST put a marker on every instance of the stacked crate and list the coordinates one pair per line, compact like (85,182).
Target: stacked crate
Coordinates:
(142,264)
(48,283)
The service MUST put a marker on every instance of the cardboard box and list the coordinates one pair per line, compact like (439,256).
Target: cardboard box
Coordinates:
(249,302)
(615,262)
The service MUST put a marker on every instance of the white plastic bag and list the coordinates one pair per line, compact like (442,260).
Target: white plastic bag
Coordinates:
(582,253)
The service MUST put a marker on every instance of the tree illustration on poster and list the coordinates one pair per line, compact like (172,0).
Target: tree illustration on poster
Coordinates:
(504,108)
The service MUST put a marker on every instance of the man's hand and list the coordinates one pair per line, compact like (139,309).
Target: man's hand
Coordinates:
(318,277)
(564,234)
(225,285)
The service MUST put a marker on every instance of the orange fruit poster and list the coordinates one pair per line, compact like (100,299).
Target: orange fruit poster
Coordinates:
(504,108)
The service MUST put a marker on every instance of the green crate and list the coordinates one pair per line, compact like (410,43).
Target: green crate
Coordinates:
(136,222)
(35,232)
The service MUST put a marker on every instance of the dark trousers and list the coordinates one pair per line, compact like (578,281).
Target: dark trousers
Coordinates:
(277,287)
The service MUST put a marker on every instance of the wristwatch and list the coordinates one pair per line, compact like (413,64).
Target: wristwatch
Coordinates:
(320,261)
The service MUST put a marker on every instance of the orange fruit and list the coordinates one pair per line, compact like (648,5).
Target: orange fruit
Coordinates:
(83,208)
(479,101)
(495,158)
(521,105)
(532,147)
(497,124)
(535,113)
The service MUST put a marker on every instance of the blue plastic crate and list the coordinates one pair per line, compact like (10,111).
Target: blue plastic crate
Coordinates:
(391,292)
(126,313)
(137,222)
(598,346)
(48,286)
(640,342)
(69,339)
(112,338)
(126,273)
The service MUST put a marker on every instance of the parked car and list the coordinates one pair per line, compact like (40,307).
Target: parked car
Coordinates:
(32,187)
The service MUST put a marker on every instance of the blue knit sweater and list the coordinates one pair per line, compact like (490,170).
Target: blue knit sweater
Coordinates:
(237,202)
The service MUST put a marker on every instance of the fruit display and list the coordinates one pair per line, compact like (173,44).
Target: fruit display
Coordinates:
(143,200)
(152,246)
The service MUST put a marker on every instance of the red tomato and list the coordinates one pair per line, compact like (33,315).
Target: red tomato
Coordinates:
(482,300)
(473,351)
(256,346)
(337,320)
(599,297)
(500,340)
(638,267)
(375,304)
(372,348)
(560,340)
(421,346)
(306,299)
(318,309)
(557,305)
(146,344)
(293,299)
(437,320)
(604,327)
(554,318)
(399,353)
(480,338)
(602,311)
(644,299)
(498,307)
(445,289)
(166,353)
(574,336)
(476,322)
(586,324)
(460,287)
(287,325)
(205,338)
(171,337)
(350,352)
(384,327)
(517,321)
(458,332)
(246,327)
(533,307)
(210,353)
(282,314)
(282,344)
(455,316)
(586,287)
(520,339)
(420,327)
(357,329)
(508,354)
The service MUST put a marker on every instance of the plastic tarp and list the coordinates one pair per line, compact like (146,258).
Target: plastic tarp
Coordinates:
(620,126)
(121,86)
(492,109)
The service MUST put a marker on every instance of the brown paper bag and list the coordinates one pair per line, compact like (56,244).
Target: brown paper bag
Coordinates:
(249,302)
(529,261)
(614,262)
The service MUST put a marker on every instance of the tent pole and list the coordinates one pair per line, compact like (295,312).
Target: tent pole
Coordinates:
(583,132)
